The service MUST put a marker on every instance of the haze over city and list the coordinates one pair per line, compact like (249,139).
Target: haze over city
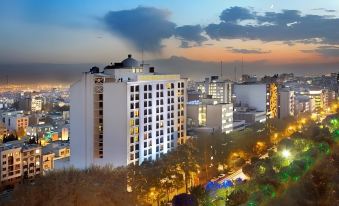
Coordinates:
(46,39)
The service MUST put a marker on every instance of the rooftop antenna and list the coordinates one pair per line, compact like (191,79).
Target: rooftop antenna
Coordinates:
(142,59)
(242,66)
(235,73)
(221,69)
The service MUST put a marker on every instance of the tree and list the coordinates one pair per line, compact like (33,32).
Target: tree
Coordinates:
(186,161)
(237,197)
(21,132)
(201,195)
(93,186)
(10,137)
(184,200)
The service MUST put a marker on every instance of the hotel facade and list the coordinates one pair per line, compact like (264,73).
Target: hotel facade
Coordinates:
(126,115)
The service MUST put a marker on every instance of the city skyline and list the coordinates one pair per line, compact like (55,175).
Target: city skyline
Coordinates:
(269,36)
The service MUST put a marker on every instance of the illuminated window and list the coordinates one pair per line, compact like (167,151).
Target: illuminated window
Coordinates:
(136,130)
(168,86)
(131,122)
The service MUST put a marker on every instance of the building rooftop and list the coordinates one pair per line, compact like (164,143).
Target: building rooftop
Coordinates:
(18,144)
(55,146)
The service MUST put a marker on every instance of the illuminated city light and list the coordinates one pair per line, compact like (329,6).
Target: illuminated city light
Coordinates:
(286,153)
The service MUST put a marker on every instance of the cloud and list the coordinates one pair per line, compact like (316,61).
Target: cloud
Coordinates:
(326,10)
(287,25)
(234,14)
(185,45)
(247,51)
(191,33)
(329,51)
(145,27)
(307,51)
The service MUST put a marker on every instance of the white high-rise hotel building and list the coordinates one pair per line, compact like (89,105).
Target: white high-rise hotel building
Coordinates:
(126,115)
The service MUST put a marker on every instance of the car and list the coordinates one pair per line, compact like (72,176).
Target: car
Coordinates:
(221,175)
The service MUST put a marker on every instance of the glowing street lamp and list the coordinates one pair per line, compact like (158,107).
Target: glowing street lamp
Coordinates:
(286,153)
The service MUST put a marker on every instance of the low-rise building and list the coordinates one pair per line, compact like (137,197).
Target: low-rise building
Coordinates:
(286,103)
(19,161)
(15,120)
(31,161)
(250,116)
(3,130)
(216,116)
(48,162)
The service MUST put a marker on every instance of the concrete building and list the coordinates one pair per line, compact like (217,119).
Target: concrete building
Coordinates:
(125,115)
(248,78)
(286,103)
(48,162)
(303,104)
(219,117)
(19,161)
(10,164)
(258,96)
(218,89)
(36,104)
(65,133)
(319,97)
(15,120)
(58,151)
(250,116)
(3,130)
(31,161)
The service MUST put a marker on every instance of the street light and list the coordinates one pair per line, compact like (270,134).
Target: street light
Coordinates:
(286,153)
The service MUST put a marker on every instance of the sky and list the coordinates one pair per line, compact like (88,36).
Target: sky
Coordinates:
(268,35)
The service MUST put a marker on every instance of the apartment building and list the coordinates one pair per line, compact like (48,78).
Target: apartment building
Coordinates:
(125,115)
